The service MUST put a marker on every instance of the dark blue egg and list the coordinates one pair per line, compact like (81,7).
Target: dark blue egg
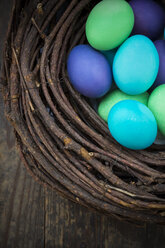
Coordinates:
(149,18)
(89,71)
(160,46)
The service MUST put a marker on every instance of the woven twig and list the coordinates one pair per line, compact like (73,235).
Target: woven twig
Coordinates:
(63,142)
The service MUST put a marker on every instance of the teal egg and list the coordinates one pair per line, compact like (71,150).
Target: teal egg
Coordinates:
(110,54)
(136,64)
(132,124)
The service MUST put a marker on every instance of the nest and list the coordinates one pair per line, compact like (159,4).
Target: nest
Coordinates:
(63,142)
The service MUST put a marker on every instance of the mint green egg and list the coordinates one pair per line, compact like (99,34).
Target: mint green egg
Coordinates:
(116,96)
(156,104)
(109,24)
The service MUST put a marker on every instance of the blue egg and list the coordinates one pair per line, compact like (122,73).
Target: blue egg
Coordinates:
(132,124)
(89,71)
(136,65)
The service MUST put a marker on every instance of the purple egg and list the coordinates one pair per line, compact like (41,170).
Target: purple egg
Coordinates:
(160,46)
(89,71)
(149,18)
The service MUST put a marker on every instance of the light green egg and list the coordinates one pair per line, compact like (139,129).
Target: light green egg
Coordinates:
(109,24)
(156,104)
(116,96)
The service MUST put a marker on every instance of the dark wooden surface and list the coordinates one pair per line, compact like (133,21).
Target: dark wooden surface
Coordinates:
(32,217)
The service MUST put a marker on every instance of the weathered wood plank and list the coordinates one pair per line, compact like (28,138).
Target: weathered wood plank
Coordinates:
(22,200)
(69,225)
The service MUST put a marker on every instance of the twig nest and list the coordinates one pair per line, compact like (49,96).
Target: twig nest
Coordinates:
(63,142)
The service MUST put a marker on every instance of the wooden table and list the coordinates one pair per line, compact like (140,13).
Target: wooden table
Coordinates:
(34,217)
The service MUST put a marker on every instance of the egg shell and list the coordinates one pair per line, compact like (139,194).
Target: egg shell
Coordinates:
(116,96)
(89,71)
(136,65)
(160,139)
(110,54)
(132,124)
(109,24)
(156,104)
(160,79)
(149,18)
(94,103)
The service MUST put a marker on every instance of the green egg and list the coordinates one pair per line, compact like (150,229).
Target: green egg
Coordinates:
(156,104)
(109,24)
(116,96)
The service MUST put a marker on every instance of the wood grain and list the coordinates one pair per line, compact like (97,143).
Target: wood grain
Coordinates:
(32,217)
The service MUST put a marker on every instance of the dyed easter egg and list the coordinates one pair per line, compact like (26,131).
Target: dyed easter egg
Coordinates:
(156,104)
(132,124)
(109,24)
(136,65)
(94,103)
(160,46)
(89,71)
(160,139)
(116,96)
(110,54)
(149,18)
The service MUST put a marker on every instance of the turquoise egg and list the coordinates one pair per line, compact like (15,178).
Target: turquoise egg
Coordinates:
(136,65)
(132,124)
